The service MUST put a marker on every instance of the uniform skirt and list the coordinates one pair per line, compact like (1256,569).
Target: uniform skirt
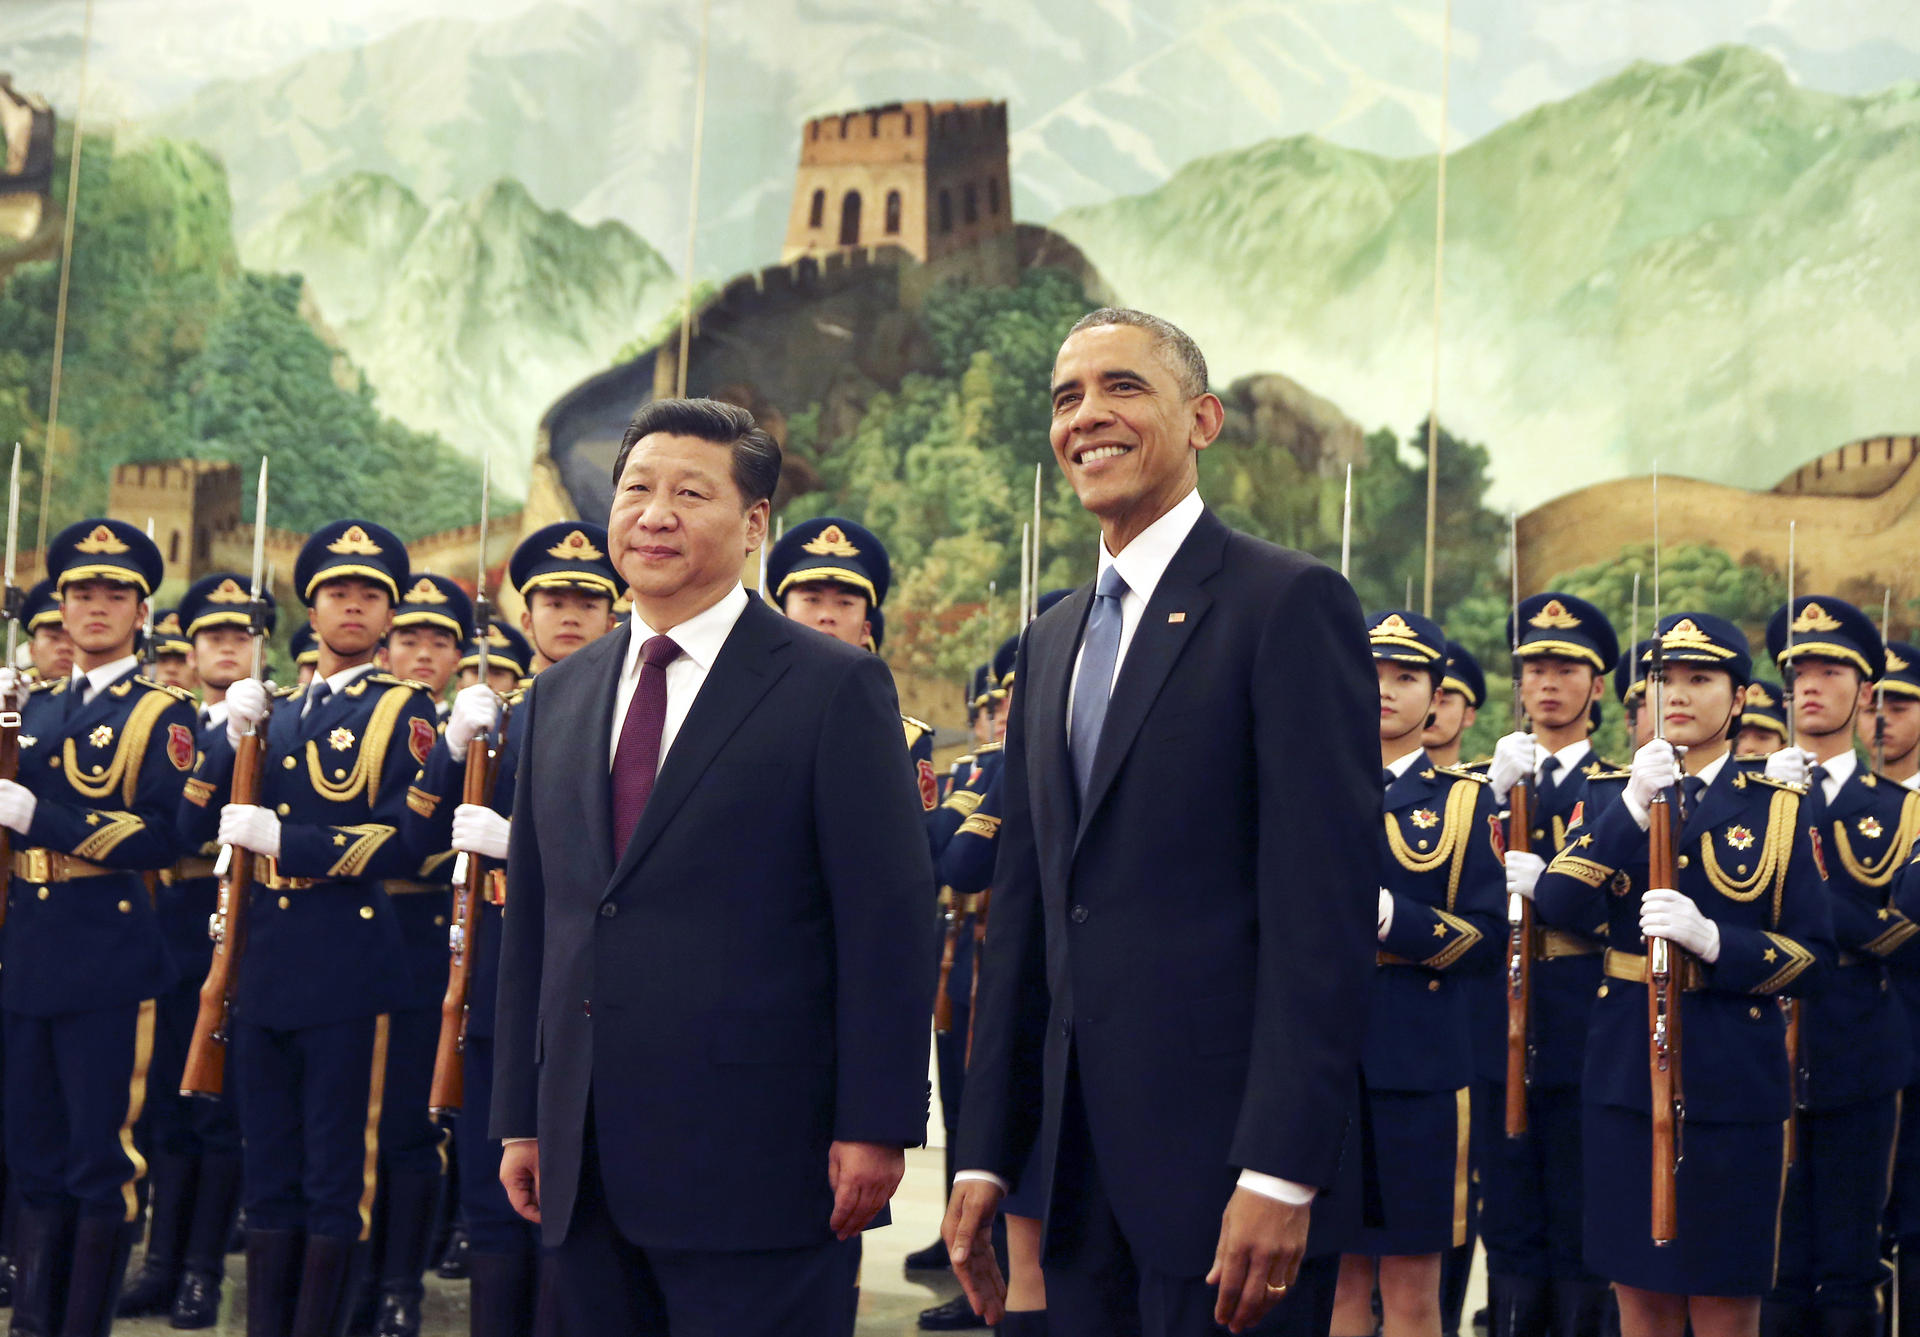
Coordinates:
(1419,1143)
(1729,1183)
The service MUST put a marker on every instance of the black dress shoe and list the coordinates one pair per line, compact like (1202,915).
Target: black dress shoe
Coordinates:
(933,1258)
(453,1263)
(956,1315)
(197,1303)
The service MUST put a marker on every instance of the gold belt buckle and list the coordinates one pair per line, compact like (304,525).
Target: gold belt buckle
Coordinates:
(39,865)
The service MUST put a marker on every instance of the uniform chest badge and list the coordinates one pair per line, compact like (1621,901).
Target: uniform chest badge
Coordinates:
(1425,818)
(102,735)
(340,739)
(1739,838)
(1870,827)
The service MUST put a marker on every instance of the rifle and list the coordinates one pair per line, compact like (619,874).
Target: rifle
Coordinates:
(11,602)
(1880,687)
(1519,908)
(979,950)
(1796,1078)
(1663,958)
(204,1073)
(448,1092)
(950,942)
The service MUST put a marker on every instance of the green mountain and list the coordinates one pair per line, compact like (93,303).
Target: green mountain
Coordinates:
(1701,265)
(471,316)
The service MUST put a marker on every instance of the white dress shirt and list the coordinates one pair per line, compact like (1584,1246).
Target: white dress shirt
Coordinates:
(1142,563)
(699,638)
(95,681)
(1912,781)
(216,713)
(1570,758)
(1840,769)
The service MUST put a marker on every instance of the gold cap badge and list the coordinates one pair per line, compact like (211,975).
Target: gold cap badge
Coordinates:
(227,591)
(101,540)
(831,542)
(169,625)
(355,543)
(1815,618)
(575,547)
(1895,664)
(1758,695)
(1684,632)
(1392,625)
(424,591)
(1554,614)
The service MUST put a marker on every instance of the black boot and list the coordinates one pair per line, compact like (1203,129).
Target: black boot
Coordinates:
(43,1248)
(453,1260)
(326,1287)
(502,1294)
(933,1258)
(9,1209)
(956,1315)
(100,1248)
(1579,1307)
(1848,1323)
(411,1203)
(169,1203)
(273,1281)
(1517,1306)
(196,1303)
(446,1219)
(1023,1323)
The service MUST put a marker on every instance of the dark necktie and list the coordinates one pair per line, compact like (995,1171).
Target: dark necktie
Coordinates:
(206,717)
(1691,789)
(637,761)
(77,697)
(1100,651)
(1550,773)
(1386,776)
(316,697)
(1817,790)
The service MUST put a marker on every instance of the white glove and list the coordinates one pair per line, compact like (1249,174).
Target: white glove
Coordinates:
(474,711)
(1514,758)
(247,702)
(251,828)
(16,804)
(1668,914)
(1790,765)
(1386,913)
(478,829)
(11,688)
(1655,767)
(1523,871)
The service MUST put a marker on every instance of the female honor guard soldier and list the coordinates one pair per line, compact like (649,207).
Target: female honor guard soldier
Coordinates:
(103,756)
(1748,922)
(1855,1050)
(432,624)
(569,584)
(324,959)
(1439,918)
(193,1159)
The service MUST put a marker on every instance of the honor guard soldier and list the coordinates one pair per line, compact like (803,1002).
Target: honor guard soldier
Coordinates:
(324,960)
(1892,735)
(1763,721)
(47,641)
(1439,919)
(1530,1184)
(509,659)
(194,1158)
(979,725)
(103,755)
(1854,1047)
(171,651)
(1747,923)
(1463,690)
(832,575)
(569,584)
(306,654)
(432,624)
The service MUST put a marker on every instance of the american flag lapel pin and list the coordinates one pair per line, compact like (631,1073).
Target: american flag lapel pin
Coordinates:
(1175,618)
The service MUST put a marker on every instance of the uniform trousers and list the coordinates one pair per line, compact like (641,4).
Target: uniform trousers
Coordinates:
(71,1082)
(1531,1212)
(304,1101)
(173,1124)
(1836,1194)
(493,1227)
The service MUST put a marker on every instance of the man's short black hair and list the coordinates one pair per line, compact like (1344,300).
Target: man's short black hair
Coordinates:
(1169,340)
(756,455)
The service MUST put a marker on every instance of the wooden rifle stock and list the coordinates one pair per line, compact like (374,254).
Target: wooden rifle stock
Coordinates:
(950,941)
(205,1071)
(1663,1032)
(449,1074)
(1519,964)
(979,952)
(1796,1084)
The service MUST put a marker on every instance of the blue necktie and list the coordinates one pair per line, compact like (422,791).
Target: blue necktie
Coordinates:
(1100,651)
(1692,788)
(316,697)
(1817,792)
(1550,773)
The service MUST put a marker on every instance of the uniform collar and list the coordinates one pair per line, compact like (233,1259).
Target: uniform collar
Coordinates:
(1401,765)
(345,678)
(96,681)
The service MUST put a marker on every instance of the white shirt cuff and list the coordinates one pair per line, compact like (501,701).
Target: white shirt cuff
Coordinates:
(985,1177)
(514,1141)
(1280,1190)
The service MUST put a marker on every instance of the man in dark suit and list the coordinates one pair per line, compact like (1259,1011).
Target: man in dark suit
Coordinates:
(717,966)
(1183,923)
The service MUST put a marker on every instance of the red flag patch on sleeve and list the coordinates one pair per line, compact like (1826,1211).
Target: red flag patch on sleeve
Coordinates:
(929,789)
(1819,853)
(180,747)
(1497,837)
(420,740)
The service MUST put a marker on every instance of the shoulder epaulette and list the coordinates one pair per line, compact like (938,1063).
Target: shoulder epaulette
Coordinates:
(1761,777)
(47,685)
(921,725)
(177,693)
(514,697)
(1477,764)
(285,693)
(1462,773)
(395,680)
(985,748)
(1609,774)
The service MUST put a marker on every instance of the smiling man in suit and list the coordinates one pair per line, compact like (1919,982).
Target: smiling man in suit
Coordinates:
(717,971)
(1175,981)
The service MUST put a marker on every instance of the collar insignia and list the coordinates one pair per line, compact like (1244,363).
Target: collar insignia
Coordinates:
(575,547)
(354,543)
(831,542)
(1554,615)
(101,540)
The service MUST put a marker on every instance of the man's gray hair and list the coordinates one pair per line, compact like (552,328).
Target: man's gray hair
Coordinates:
(1169,340)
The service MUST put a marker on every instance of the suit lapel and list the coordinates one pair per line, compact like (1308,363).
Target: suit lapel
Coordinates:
(1852,798)
(1177,607)
(747,665)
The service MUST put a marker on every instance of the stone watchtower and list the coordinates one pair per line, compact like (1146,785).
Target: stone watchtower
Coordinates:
(928,177)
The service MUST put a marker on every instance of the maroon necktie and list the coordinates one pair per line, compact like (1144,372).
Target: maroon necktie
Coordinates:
(638,758)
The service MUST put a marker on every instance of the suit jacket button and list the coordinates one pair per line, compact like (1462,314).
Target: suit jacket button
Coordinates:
(1066,1028)
(1079,914)
(586,1007)
(607,911)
